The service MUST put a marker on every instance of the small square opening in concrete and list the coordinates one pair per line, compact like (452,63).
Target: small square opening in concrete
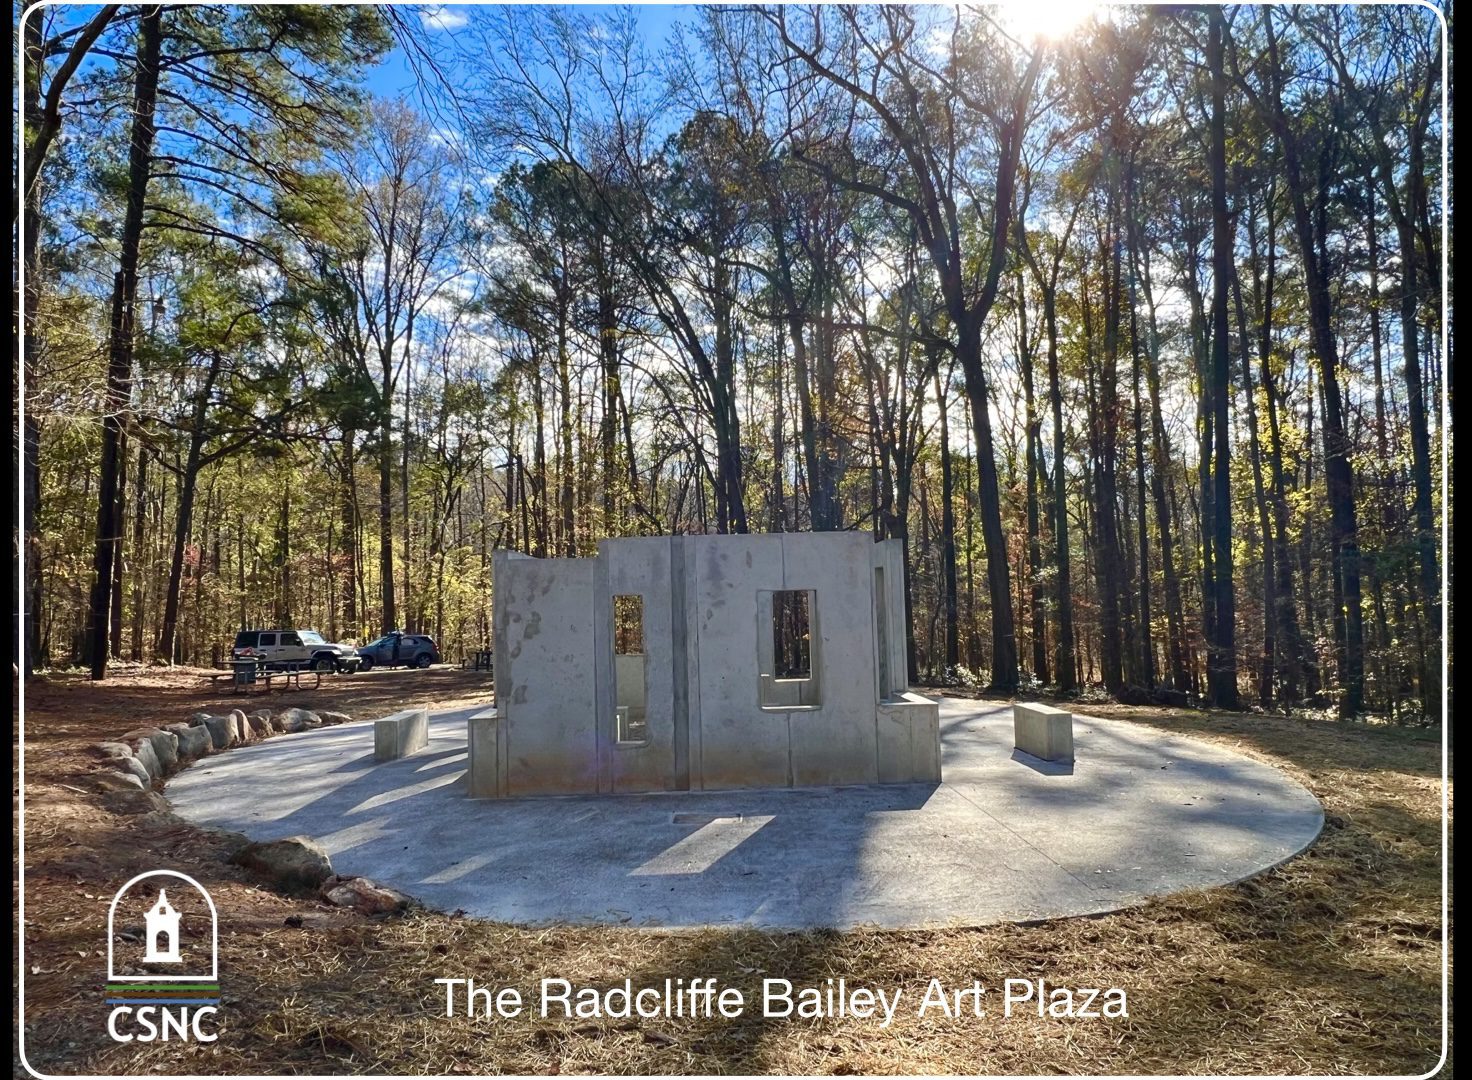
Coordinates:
(630,730)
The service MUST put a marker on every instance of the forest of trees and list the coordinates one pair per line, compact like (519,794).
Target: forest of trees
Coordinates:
(1131,331)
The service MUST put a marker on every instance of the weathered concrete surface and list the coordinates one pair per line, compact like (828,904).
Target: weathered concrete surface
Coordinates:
(716,715)
(909,741)
(545,687)
(647,683)
(483,774)
(1003,838)
(400,735)
(1043,731)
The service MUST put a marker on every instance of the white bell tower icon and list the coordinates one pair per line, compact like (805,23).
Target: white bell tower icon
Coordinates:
(197,960)
(162,921)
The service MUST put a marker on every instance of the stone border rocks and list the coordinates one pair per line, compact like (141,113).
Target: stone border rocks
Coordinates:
(365,896)
(132,762)
(295,863)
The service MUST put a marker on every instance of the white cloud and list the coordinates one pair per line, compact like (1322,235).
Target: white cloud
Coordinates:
(442,18)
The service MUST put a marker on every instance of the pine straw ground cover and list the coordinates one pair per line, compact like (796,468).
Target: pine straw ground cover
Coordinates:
(1328,964)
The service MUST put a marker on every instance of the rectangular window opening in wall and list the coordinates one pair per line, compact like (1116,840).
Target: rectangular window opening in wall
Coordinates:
(788,651)
(628,625)
(631,726)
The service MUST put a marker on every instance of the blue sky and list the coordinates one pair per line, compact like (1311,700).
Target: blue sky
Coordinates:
(394,78)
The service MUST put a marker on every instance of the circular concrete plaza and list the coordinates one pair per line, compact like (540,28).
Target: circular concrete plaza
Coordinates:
(1005,837)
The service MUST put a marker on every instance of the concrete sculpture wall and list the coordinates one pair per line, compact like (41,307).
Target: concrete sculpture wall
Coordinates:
(752,661)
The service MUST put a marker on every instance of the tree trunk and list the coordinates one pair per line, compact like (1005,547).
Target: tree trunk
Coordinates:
(1429,572)
(818,506)
(409,615)
(989,501)
(115,605)
(120,335)
(1033,451)
(608,419)
(539,464)
(948,531)
(1339,473)
(729,485)
(1144,630)
(566,478)
(1288,642)
(1221,645)
(1268,662)
(349,527)
(1108,564)
(777,511)
(1411,216)
(168,645)
(31,344)
(389,618)
(1067,663)
(140,568)
(284,613)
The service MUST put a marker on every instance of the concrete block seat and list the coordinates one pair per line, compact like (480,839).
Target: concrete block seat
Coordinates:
(909,739)
(483,778)
(1043,731)
(400,735)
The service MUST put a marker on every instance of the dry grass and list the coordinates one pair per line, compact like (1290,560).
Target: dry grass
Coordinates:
(1329,964)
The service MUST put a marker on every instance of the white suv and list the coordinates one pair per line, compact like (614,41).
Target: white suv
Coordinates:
(295,648)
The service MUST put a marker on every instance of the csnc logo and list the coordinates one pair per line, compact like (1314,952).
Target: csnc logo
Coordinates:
(163,939)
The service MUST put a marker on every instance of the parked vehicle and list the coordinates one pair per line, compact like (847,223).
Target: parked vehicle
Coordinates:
(398,648)
(287,648)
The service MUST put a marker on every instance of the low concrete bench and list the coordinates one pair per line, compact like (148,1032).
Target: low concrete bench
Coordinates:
(483,779)
(1043,731)
(909,739)
(401,734)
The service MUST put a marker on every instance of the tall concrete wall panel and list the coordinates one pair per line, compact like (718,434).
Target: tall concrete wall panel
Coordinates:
(835,742)
(545,629)
(741,745)
(642,567)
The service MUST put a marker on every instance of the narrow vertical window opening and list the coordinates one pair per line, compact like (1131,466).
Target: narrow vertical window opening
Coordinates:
(881,633)
(630,697)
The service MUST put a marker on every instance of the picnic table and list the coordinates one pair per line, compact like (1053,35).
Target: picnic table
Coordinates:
(247,672)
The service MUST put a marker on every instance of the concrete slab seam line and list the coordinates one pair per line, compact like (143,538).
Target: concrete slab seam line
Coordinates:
(771,629)
(679,665)
(1021,839)
(602,636)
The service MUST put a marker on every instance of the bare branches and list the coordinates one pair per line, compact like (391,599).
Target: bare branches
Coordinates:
(74,45)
